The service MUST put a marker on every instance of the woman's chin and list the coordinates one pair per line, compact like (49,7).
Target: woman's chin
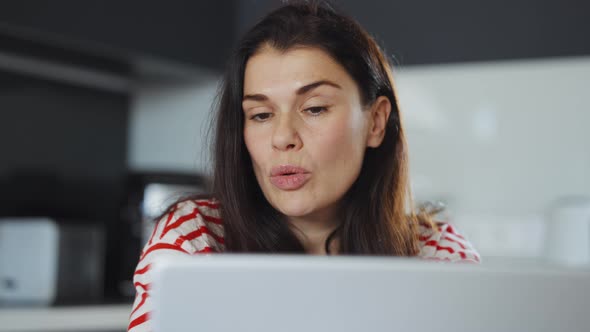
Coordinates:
(294,210)
(294,207)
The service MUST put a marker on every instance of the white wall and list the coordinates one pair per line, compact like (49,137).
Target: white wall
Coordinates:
(168,126)
(500,141)
(500,137)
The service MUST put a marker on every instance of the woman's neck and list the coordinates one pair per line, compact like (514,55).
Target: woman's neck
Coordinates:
(313,231)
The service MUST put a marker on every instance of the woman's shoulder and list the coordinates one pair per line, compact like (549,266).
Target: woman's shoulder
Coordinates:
(443,242)
(191,225)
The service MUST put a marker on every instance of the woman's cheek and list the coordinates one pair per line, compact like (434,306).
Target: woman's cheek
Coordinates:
(253,139)
(338,137)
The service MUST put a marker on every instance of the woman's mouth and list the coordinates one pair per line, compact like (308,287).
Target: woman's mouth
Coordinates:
(288,177)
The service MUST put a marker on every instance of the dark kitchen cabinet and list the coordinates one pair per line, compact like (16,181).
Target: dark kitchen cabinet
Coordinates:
(192,33)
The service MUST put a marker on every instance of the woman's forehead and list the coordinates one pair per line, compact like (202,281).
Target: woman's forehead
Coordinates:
(274,72)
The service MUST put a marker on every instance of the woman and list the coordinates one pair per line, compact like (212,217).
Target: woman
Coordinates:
(310,155)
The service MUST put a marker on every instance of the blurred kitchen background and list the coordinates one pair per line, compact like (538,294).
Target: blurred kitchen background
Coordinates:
(105,108)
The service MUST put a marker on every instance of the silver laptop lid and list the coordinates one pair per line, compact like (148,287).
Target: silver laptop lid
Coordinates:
(310,293)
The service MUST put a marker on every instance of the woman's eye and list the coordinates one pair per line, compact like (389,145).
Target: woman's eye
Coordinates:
(316,110)
(261,116)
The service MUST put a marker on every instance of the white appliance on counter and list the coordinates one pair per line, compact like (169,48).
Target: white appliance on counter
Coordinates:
(568,232)
(43,262)
(28,261)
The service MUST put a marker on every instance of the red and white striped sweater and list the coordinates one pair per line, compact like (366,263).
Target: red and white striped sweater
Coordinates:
(194,227)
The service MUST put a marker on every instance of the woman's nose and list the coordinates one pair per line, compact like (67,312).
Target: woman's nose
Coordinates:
(285,134)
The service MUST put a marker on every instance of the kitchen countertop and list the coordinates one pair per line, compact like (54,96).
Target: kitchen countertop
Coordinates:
(72,318)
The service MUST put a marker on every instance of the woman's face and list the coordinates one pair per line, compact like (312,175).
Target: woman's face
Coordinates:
(304,128)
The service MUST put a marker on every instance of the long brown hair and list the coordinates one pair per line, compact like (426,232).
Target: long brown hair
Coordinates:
(374,212)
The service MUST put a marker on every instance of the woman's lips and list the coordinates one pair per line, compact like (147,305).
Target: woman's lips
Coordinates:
(288,177)
(290,182)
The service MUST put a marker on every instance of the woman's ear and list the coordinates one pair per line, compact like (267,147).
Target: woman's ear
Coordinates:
(378,121)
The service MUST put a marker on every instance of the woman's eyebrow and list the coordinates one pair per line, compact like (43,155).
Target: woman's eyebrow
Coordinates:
(309,87)
(302,90)
(256,97)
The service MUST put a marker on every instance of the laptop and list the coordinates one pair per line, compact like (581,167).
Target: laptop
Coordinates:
(264,293)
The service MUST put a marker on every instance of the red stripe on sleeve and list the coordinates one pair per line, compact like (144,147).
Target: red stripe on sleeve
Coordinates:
(159,246)
(432,243)
(202,230)
(139,320)
(188,217)
(214,220)
(170,215)
(143,270)
(144,286)
(144,296)
(179,222)
(208,204)
(424,237)
(451,230)
(154,233)
(206,249)
(449,249)
(455,241)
